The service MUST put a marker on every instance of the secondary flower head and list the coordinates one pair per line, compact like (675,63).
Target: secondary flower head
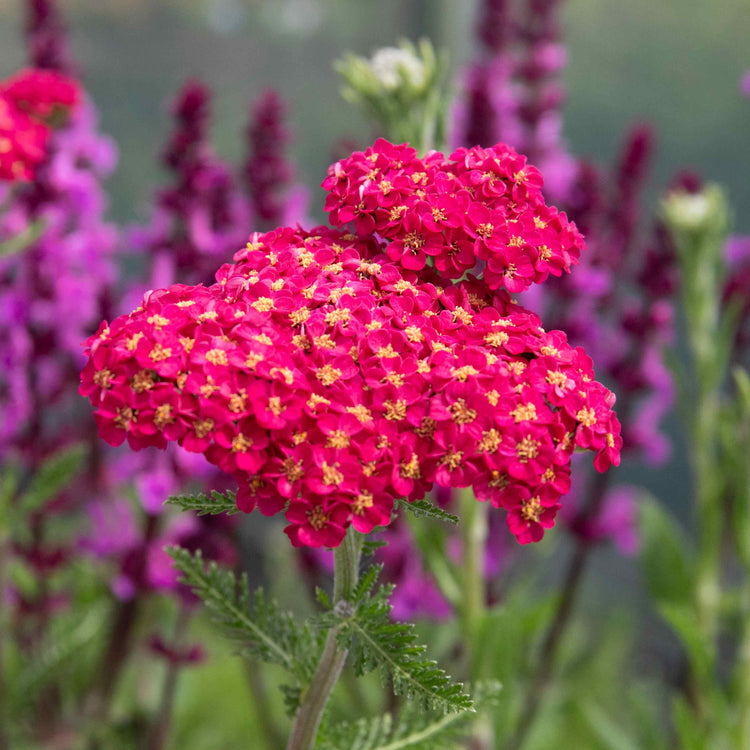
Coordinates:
(480,209)
(329,379)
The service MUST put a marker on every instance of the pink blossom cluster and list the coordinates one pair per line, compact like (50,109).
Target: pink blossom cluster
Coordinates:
(28,101)
(328,381)
(478,209)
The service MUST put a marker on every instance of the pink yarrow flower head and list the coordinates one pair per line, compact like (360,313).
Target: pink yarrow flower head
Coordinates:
(329,380)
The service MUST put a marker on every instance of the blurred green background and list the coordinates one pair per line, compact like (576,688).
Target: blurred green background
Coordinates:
(674,63)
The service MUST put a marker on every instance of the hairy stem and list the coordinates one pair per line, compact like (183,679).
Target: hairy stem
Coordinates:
(310,712)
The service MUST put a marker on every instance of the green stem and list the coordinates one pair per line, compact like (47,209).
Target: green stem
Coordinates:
(4,718)
(699,248)
(710,513)
(158,733)
(474,537)
(310,712)
(743,674)
(120,643)
(475,518)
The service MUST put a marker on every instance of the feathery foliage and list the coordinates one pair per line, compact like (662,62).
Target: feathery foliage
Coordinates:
(203,505)
(426,509)
(371,546)
(265,632)
(376,641)
(414,729)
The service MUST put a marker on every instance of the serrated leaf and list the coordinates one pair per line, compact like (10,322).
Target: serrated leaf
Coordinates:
(213,504)
(371,546)
(265,632)
(53,475)
(377,642)
(413,730)
(292,696)
(426,509)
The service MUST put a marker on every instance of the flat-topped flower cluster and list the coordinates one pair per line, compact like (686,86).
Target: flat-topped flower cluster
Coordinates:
(29,102)
(329,378)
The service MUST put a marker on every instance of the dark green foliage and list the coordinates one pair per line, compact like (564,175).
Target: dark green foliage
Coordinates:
(414,729)
(203,505)
(376,641)
(371,546)
(264,631)
(426,509)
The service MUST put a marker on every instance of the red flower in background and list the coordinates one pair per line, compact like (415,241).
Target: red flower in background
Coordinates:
(30,102)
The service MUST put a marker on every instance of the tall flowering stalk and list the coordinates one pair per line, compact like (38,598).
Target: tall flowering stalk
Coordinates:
(202,215)
(710,711)
(52,287)
(698,223)
(28,102)
(267,173)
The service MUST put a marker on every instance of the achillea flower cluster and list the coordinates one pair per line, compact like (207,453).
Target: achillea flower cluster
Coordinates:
(479,207)
(29,102)
(328,380)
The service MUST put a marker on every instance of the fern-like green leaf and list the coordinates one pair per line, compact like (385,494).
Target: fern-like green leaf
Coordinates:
(216,503)
(426,509)
(377,642)
(264,631)
(371,546)
(413,730)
